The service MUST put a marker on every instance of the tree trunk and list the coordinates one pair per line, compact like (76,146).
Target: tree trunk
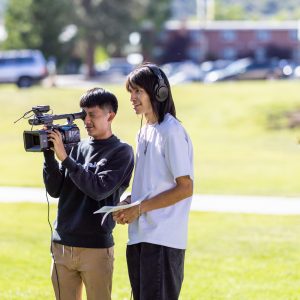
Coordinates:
(90,61)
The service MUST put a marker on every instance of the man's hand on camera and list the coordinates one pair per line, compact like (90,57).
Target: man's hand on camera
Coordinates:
(59,148)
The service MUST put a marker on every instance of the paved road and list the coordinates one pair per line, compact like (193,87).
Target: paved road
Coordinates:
(214,203)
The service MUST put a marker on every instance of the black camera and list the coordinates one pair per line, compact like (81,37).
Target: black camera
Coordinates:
(37,141)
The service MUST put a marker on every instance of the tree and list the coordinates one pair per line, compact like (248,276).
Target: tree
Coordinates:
(36,24)
(19,27)
(109,22)
(106,23)
(50,17)
(156,13)
(229,12)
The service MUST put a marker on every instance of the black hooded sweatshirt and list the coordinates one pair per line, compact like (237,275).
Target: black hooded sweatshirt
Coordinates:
(95,174)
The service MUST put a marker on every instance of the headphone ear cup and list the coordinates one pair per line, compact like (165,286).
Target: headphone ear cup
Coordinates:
(161,92)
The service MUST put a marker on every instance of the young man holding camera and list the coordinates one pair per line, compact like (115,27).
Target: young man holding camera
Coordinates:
(95,173)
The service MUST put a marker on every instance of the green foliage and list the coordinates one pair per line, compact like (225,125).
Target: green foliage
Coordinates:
(229,256)
(19,26)
(229,12)
(36,25)
(100,55)
(106,24)
(157,13)
(257,9)
(49,18)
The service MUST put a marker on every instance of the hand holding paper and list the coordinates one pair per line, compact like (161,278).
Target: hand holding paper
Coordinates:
(109,209)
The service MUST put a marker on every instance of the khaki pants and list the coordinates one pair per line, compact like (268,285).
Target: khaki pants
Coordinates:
(75,266)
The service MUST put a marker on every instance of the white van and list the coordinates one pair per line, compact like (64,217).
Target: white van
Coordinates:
(22,67)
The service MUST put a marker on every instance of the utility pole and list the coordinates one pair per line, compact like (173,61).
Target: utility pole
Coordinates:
(205,10)
(210,10)
(200,4)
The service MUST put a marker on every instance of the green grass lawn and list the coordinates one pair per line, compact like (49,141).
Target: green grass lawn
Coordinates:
(229,256)
(235,152)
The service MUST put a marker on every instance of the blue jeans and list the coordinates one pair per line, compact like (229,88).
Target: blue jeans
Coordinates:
(155,271)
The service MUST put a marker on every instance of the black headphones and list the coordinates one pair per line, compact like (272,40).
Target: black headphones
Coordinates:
(161,90)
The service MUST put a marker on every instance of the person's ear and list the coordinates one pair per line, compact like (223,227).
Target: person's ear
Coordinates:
(111,116)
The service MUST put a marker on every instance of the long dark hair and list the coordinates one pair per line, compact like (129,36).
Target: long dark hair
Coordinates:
(143,77)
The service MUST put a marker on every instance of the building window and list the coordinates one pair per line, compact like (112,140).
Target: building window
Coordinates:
(296,55)
(293,34)
(163,35)
(260,54)
(196,53)
(228,35)
(263,35)
(229,53)
(196,35)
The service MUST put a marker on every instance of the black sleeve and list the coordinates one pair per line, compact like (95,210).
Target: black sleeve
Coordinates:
(103,183)
(53,175)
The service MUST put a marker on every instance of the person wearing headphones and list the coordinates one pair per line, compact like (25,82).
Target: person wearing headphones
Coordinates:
(162,190)
(94,174)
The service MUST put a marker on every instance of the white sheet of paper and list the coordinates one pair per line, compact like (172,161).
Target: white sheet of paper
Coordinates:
(105,209)
(109,209)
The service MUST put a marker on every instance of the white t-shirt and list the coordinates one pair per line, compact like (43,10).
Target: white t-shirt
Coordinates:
(169,154)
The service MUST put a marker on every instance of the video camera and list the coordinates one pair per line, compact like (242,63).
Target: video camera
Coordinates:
(37,141)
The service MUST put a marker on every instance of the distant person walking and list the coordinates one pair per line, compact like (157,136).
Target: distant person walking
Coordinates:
(51,68)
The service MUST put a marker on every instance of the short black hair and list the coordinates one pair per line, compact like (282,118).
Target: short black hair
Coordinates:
(99,97)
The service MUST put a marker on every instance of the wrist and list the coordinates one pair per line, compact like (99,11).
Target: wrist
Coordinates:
(63,157)
(140,211)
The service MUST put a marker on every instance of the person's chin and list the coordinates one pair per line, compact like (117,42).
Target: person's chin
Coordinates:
(89,131)
(138,111)
(92,136)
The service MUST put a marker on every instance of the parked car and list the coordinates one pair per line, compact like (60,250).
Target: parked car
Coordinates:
(113,68)
(254,71)
(213,65)
(22,67)
(228,72)
(246,69)
(182,72)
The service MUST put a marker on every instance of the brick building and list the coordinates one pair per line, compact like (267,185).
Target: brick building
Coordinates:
(233,39)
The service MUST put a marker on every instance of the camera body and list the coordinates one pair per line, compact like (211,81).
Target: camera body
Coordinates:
(37,140)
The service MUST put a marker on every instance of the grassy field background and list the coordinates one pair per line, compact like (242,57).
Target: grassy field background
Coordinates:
(230,256)
(235,151)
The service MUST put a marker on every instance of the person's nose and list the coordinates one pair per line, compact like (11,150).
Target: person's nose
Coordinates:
(87,119)
(132,97)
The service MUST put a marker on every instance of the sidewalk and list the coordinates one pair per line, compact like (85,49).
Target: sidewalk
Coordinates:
(213,203)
